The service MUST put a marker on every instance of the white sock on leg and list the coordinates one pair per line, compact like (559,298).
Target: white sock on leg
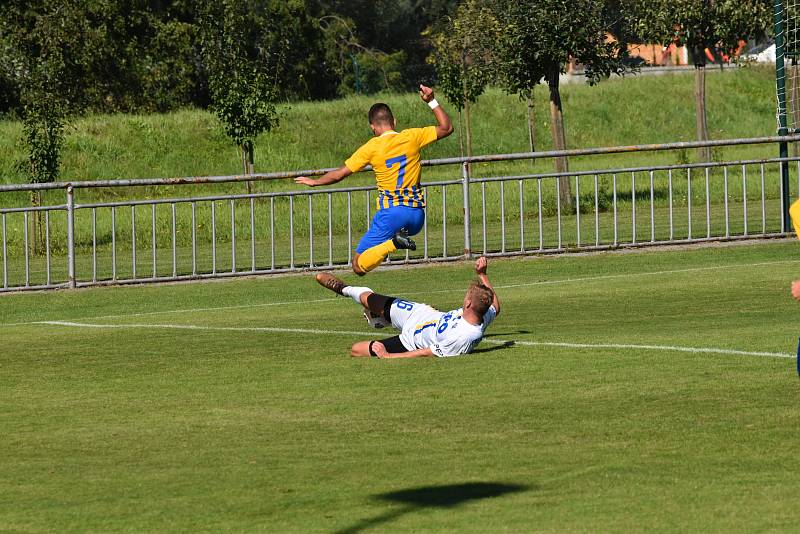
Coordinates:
(355,292)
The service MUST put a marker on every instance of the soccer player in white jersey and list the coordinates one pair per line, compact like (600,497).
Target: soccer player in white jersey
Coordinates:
(424,331)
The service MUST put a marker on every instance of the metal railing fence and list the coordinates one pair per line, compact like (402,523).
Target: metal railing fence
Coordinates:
(195,237)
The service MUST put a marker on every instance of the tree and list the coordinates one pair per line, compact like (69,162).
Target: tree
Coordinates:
(700,25)
(463,49)
(244,59)
(537,41)
(396,26)
(51,45)
(360,69)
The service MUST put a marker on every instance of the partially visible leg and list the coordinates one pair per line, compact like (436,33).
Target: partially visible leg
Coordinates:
(358,294)
(388,232)
(378,304)
(391,344)
(356,267)
(373,257)
(375,244)
(329,281)
(360,349)
(794,213)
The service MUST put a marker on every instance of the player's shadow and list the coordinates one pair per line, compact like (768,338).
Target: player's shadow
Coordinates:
(502,334)
(448,496)
(493,347)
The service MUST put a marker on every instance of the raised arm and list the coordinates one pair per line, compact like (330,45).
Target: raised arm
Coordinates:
(480,267)
(330,177)
(444,126)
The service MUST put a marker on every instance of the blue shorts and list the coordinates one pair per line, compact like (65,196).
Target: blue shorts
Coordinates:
(388,221)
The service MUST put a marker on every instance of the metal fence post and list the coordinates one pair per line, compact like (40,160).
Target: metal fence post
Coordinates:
(71,237)
(467,229)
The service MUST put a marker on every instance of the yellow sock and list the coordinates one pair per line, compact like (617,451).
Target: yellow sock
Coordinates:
(794,211)
(374,256)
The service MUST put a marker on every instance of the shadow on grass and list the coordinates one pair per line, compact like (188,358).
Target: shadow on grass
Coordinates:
(500,346)
(509,333)
(448,496)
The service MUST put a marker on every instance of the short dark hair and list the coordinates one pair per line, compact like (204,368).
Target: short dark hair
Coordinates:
(481,296)
(380,114)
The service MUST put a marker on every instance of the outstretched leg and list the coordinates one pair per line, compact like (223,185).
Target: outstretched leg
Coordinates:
(329,281)
(374,302)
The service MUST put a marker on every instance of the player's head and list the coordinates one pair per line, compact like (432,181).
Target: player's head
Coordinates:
(380,117)
(479,297)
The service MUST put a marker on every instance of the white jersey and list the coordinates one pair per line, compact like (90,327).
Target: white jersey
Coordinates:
(446,334)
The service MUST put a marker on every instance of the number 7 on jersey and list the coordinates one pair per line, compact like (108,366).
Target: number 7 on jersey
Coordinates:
(401,172)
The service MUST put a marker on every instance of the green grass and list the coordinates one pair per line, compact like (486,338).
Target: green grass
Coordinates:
(634,110)
(153,429)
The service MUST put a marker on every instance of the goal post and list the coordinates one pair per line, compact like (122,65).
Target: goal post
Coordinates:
(787,45)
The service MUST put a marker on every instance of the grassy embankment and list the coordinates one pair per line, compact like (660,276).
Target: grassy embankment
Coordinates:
(634,110)
(313,135)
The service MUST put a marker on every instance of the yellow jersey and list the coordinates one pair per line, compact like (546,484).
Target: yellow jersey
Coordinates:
(394,157)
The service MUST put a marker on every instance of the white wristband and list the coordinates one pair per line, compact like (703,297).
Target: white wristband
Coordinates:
(433,104)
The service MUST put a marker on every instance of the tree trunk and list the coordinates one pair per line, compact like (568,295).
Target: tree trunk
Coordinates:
(461,131)
(246,149)
(700,109)
(559,141)
(36,229)
(532,122)
(468,135)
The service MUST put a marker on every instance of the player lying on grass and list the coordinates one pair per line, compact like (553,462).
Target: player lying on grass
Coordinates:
(424,331)
(394,157)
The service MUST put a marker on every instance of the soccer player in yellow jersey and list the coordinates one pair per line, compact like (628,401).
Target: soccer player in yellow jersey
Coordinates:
(394,157)
(794,213)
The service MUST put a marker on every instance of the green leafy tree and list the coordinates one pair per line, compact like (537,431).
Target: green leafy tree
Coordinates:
(463,54)
(716,25)
(538,40)
(52,45)
(169,69)
(395,26)
(360,69)
(244,61)
(306,72)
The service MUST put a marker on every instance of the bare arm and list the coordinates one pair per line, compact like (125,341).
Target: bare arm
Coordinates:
(480,267)
(444,126)
(380,350)
(330,177)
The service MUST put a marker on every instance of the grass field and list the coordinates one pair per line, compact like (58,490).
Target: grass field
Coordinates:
(648,391)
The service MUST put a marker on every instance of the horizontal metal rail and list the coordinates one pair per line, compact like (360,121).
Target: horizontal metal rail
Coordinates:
(34,209)
(621,170)
(187,238)
(434,162)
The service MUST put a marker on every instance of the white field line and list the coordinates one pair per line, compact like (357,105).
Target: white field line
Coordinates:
(428,292)
(185,310)
(696,350)
(268,329)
